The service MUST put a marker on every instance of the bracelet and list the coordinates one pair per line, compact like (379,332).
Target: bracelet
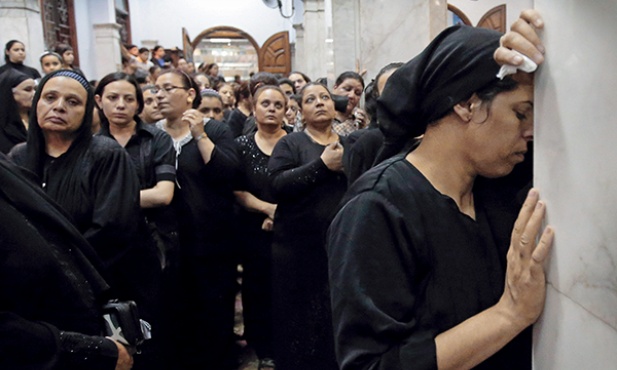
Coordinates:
(201,136)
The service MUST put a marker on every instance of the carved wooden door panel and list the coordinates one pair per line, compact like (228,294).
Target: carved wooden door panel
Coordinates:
(187,47)
(494,19)
(59,24)
(275,54)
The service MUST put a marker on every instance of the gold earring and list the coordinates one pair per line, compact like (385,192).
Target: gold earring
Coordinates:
(189,100)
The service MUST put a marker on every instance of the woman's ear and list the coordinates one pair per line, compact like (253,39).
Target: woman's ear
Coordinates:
(192,95)
(97,100)
(465,109)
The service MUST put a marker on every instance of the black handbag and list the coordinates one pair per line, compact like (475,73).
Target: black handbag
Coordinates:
(122,323)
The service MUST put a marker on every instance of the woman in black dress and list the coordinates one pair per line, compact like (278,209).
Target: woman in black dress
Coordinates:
(16,92)
(420,253)
(50,295)
(207,164)
(257,219)
(93,180)
(14,56)
(307,184)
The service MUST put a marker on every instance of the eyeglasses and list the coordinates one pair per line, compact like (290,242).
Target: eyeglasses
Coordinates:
(167,89)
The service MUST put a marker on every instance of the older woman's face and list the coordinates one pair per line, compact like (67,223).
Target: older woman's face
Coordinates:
(62,106)
(23,94)
(499,134)
(270,107)
(352,89)
(17,53)
(173,98)
(317,105)
(50,63)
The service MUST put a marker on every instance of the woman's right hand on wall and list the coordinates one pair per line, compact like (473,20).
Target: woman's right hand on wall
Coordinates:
(332,157)
(525,287)
(523,38)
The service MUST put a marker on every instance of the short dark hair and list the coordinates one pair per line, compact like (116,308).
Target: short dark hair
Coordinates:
(260,79)
(287,81)
(143,50)
(347,75)
(8,47)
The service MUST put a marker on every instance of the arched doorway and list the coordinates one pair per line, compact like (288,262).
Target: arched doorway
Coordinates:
(237,53)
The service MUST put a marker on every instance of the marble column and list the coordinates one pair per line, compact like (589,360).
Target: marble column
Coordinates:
(368,34)
(21,20)
(576,173)
(107,42)
(311,57)
(298,49)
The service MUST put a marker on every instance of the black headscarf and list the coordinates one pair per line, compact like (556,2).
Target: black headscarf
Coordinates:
(11,127)
(35,157)
(457,63)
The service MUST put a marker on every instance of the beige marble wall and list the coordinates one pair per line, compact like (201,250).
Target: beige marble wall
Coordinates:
(372,33)
(311,52)
(21,20)
(576,171)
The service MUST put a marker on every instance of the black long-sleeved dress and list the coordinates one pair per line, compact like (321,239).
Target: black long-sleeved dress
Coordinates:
(307,193)
(406,265)
(50,294)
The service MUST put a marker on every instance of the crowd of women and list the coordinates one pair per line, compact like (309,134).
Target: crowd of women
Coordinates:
(374,238)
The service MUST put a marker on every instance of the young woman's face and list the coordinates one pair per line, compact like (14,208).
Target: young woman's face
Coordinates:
(498,135)
(352,89)
(227,94)
(50,63)
(151,111)
(298,81)
(211,107)
(62,106)
(173,98)
(317,105)
(214,71)
(68,57)
(270,107)
(119,102)
(202,81)
(292,111)
(16,53)
(23,94)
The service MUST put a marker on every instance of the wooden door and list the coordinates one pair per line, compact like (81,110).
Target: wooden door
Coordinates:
(187,46)
(494,19)
(275,54)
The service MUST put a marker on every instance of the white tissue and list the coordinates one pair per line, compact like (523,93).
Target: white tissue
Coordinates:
(527,66)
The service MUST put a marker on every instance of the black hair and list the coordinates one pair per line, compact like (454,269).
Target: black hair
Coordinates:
(384,70)
(305,77)
(8,47)
(260,79)
(287,81)
(263,88)
(347,75)
(143,50)
(211,93)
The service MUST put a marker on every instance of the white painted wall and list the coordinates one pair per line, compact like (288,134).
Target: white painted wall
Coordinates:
(576,172)
(162,20)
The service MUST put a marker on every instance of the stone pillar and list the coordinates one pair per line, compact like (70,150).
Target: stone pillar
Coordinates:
(312,57)
(107,46)
(575,162)
(372,33)
(298,57)
(21,20)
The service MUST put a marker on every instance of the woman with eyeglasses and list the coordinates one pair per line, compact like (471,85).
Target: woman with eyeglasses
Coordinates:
(207,162)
